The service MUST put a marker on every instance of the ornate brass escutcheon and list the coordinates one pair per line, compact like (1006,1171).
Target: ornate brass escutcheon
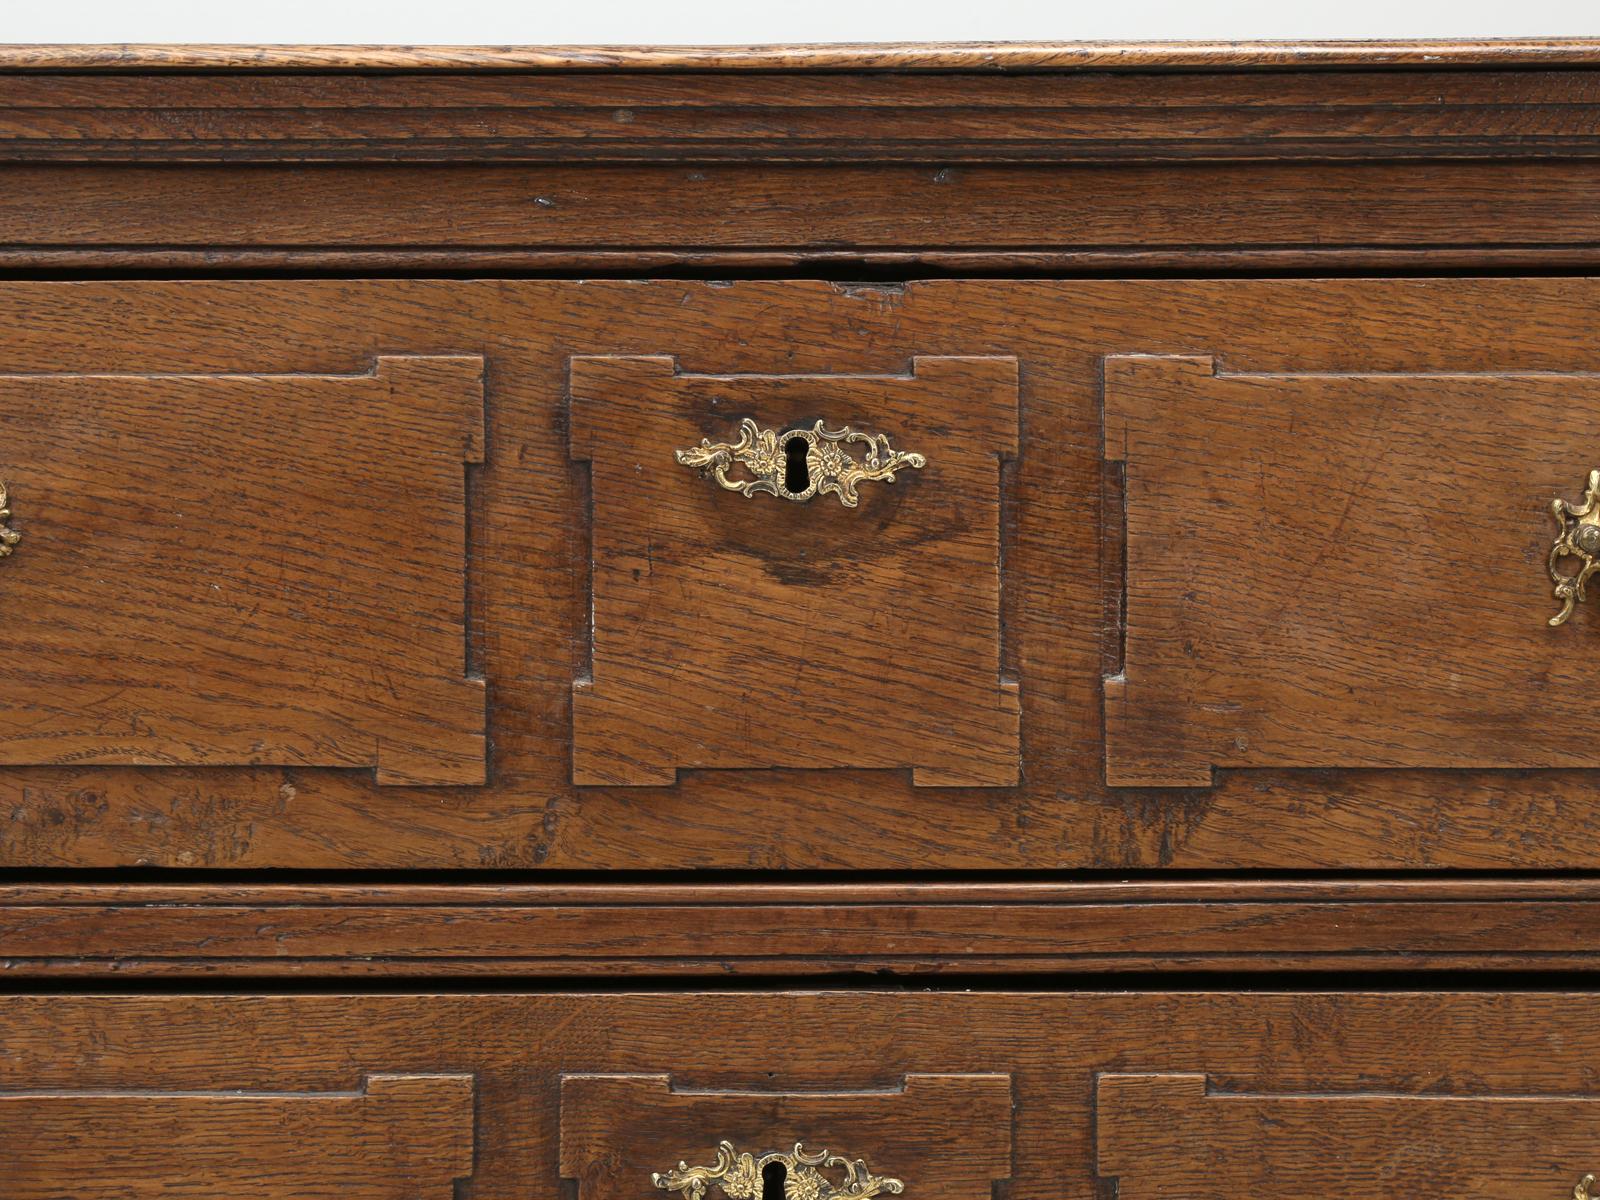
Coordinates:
(798,464)
(1581,1192)
(743,1176)
(1579,538)
(8,537)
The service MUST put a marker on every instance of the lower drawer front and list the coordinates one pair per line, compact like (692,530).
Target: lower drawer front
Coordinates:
(798,1096)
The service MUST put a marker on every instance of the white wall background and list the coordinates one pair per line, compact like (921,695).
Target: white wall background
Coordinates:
(498,22)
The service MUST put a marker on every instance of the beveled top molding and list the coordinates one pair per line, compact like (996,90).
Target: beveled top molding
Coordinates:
(950,105)
(951,56)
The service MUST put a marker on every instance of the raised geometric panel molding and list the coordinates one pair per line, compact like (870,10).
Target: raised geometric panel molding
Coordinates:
(1344,570)
(735,628)
(401,1137)
(227,570)
(1160,1135)
(944,1137)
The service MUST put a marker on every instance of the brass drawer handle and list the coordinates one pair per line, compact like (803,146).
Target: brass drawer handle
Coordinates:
(798,464)
(1581,1192)
(8,537)
(1579,538)
(744,1176)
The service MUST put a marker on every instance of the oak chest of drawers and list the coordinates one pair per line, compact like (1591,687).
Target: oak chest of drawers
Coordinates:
(813,623)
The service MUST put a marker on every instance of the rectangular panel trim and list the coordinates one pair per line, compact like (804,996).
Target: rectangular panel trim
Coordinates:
(1153,1129)
(397,1137)
(1340,570)
(948,1137)
(210,566)
(743,631)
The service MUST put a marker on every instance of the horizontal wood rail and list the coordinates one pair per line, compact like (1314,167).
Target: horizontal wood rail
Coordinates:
(789,929)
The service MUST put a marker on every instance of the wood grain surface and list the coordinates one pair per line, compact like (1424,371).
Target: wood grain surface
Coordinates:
(950,1133)
(1450,1056)
(1022,158)
(697,217)
(214,569)
(753,631)
(1153,1129)
(1334,571)
(327,575)
(531,531)
(1510,53)
(879,117)
(354,930)
(395,1137)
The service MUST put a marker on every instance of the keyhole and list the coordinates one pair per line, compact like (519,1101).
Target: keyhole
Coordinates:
(774,1173)
(797,478)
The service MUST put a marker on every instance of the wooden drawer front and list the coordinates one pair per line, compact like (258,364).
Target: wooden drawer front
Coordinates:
(242,569)
(1154,1129)
(734,630)
(1344,571)
(951,1095)
(686,677)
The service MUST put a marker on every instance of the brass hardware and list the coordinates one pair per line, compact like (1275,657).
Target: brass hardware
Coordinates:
(740,1176)
(1581,1192)
(1579,538)
(8,537)
(829,469)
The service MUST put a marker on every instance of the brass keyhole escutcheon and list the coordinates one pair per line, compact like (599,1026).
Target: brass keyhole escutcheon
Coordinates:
(798,464)
(1579,538)
(778,1176)
(9,537)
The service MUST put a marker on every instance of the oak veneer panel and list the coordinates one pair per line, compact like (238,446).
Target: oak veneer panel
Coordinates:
(1052,1046)
(950,1134)
(1154,1129)
(752,631)
(1334,571)
(211,566)
(400,1137)
(529,585)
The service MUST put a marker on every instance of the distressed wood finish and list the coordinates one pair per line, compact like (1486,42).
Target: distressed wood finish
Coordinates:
(797,1060)
(322,576)
(950,1133)
(640,930)
(1334,571)
(1153,1129)
(453,601)
(532,538)
(397,1137)
(734,631)
(209,560)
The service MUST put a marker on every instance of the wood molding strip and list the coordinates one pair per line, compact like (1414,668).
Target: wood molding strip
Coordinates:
(702,117)
(633,220)
(950,56)
(488,929)
(937,260)
(1377,890)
